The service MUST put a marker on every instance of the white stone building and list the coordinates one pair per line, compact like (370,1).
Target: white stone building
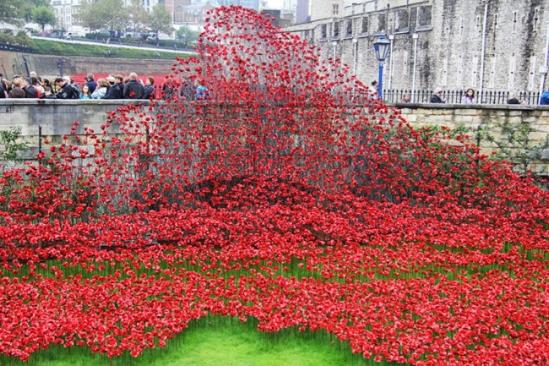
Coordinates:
(66,12)
(452,44)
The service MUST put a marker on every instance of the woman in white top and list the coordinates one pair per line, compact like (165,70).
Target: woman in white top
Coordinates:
(101,89)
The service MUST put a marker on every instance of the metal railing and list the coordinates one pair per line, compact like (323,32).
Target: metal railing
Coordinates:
(14,47)
(456,96)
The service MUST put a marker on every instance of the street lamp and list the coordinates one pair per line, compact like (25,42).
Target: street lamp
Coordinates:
(382,50)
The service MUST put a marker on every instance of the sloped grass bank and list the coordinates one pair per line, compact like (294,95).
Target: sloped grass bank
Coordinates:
(48,47)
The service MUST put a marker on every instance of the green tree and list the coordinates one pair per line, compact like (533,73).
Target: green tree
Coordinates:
(12,11)
(17,11)
(109,14)
(137,15)
(186,35)
(30,5)
(43,15)
(159,20)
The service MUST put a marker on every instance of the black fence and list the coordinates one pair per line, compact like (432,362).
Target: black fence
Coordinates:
(456,96)
(14,47)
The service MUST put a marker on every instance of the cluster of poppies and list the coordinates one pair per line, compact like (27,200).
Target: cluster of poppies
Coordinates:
(292,195)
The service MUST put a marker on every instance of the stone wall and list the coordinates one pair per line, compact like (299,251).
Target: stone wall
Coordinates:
(52,119)
(479,121)
(45,65)
(56,118)
(449,36)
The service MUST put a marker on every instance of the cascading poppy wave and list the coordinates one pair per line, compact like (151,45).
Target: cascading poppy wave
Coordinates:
(289,194)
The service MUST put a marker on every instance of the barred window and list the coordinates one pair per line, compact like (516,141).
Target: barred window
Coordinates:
(402,19)
(349,31)
(424,16)
(336,30)
(364,28)
(381,23)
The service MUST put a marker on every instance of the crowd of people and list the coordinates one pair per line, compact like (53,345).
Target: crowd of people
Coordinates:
(110,87)
(131,87)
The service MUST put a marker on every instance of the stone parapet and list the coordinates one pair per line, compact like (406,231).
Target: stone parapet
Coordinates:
(56,117)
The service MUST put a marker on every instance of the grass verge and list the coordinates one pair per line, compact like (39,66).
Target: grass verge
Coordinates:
(67,49)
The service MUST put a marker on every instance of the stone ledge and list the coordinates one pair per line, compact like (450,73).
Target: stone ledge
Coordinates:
(404,107)
(71,102)
(496,107)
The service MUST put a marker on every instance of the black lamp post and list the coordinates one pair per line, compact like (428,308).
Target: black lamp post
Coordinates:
(381,46)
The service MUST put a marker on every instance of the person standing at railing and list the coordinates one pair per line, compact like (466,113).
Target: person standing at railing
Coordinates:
(544,100)
(187,91)
(30,90)
(116,89)
(149,91)
(65,89)
(437,97)
(3,92)
(85,95)
(201,91)
(468,97)
(101,89)
(515,100)
(133,88)
(17,88)
(91,83)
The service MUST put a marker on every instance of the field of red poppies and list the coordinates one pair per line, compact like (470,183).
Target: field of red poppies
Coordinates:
(290,195)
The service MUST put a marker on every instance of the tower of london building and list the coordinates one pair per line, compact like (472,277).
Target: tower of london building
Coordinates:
(451,44)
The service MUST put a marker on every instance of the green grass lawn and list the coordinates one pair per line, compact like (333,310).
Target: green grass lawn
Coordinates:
(217,341)
(67,49)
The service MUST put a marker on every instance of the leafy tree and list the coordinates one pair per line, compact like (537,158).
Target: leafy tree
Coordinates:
(137,15)
(43,15)
(186,35)
(12,11)
(159,20)
(17,11)
(109,14)
(30,5)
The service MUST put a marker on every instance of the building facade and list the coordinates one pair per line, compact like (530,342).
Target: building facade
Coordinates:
(252,4)
(303,11)
(66,13)
(499,45)
(189,13)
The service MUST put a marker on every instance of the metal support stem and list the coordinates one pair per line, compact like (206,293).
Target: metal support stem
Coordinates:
(380,82)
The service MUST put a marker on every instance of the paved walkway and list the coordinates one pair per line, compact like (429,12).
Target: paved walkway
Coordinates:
(114,45)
